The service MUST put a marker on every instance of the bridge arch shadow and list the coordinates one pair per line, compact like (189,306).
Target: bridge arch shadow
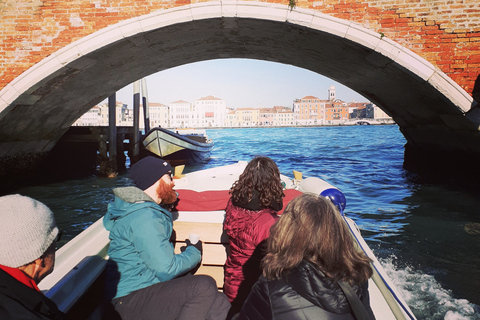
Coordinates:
(41,104)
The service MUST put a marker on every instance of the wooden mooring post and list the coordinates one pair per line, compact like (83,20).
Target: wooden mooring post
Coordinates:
(87,148)
(108,162)
(136,122)
(146,114)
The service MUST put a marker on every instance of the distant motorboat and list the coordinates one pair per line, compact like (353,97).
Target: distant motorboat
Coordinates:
(182,146)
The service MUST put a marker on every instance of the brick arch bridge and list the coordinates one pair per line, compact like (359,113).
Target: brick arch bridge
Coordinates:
(418,61)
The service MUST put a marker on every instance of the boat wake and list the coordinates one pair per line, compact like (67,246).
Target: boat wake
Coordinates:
(426,297)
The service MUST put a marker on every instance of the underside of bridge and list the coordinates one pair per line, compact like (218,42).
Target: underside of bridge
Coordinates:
(429,113)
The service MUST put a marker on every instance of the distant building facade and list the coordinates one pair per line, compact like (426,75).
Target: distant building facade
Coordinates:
(90,118)
(284,117)
(309,110)
(247,117)
(180,114)
(159,115)
(357,110)
(98,116)
(367,110)
(231,118)
(209,112)
(336,111)
(277,117)
(212,112)
(379,114)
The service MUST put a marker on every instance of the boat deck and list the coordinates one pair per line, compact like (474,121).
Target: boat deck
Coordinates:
(76,283)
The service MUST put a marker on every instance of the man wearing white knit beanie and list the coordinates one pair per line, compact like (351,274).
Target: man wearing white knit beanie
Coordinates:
(28,236)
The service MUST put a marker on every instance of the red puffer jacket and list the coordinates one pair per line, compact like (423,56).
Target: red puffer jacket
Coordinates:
(248,231)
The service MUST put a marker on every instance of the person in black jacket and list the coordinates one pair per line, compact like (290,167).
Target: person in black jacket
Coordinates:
(310,251)
(28,235)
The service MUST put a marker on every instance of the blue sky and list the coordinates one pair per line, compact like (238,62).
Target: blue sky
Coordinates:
(242,83)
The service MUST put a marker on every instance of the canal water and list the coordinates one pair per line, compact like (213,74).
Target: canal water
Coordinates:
(424,234)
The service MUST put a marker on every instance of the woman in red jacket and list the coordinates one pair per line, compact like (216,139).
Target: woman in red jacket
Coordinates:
(256,198)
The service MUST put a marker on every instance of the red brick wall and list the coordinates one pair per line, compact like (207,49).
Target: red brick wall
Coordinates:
(444,32)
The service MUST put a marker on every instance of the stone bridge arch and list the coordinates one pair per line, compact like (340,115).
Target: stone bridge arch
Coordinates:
(38,106)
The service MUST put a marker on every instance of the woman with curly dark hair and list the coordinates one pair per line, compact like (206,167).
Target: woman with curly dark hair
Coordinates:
(256,198)
(310,261)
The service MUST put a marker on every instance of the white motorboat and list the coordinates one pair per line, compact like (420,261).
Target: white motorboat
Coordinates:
(76,283)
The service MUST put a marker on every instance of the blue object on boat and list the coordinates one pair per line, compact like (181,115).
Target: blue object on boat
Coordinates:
(337,197)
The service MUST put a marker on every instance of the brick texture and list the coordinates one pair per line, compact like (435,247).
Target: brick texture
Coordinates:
(444,32)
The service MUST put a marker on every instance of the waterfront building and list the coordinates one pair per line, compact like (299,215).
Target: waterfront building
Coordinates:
(336,112)
(98,116)
(379,114)
(180,114)
(248,117)
(231,118)
(212,112)
(368,110)
(208,112)
(309,110)
(158,114)
(284,116)
(357,110)
(90,118)
(267,116)
(127,117)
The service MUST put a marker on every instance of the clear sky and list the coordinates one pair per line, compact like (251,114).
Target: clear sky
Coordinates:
(242,83)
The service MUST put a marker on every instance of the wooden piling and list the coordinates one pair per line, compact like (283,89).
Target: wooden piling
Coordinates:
(136,128)
(112,169)
(146,115)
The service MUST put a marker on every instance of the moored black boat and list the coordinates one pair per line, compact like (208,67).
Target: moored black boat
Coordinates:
(188,147)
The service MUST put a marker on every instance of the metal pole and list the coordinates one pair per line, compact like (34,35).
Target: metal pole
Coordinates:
(112,125)
(146,115)
(136,115)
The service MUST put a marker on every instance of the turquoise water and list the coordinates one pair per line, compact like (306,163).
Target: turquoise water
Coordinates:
(417,230)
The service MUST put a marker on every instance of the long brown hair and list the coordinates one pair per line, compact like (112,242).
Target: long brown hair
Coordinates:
(260,174)
(312,228)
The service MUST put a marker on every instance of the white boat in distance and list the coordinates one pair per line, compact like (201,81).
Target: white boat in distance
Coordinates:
(182,146)
(76,283)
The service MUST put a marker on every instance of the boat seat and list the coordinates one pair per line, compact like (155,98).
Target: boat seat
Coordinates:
(215,246)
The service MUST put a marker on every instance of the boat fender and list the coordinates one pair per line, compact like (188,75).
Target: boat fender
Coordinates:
(318,186)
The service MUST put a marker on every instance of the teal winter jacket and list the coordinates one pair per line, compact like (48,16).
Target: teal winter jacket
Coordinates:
(140,247)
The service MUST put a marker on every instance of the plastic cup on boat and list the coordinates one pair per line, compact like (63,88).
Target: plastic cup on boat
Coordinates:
(193,237)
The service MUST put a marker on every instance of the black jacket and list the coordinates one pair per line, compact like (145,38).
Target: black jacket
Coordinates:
(304,294)
(254,203)
(18,301)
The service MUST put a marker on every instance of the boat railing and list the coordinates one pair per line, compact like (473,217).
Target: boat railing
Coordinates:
(77,265)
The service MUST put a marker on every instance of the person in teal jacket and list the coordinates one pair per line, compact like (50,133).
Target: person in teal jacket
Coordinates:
(145,277)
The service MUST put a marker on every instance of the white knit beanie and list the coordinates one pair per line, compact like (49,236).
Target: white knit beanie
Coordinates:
(27,229)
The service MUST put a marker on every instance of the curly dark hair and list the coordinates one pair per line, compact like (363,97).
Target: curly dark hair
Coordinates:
(261,174)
